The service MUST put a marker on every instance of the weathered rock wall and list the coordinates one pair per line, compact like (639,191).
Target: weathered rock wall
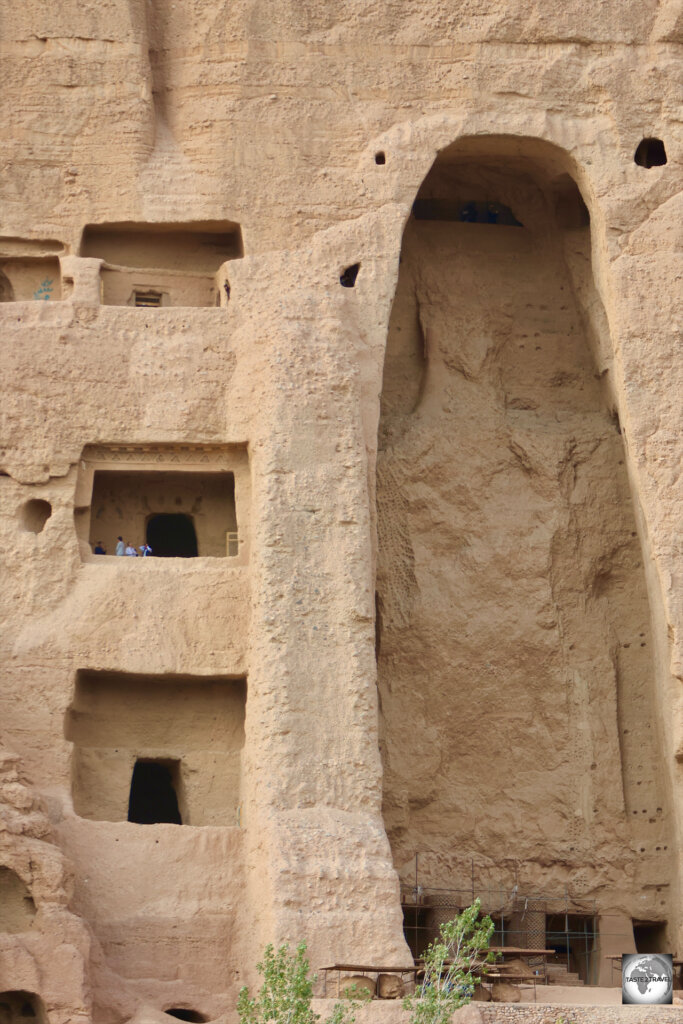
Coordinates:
(271,117)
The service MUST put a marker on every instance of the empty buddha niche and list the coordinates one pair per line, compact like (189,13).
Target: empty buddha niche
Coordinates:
(159,265)
(156,750)
(510,574)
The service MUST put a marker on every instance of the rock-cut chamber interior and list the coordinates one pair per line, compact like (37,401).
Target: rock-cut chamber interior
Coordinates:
(519,723)
(156,749)
(180,515)
(182,501)
(156,265)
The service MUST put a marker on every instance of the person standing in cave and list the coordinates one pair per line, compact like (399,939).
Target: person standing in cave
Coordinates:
(145,550)
(120,546)
(130,551)
(100,548)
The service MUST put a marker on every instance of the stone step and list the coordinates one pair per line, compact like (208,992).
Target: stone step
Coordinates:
(559,975)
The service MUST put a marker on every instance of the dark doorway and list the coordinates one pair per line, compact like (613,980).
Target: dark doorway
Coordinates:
(153,796)
(172,535)
(650,936)
(574,939)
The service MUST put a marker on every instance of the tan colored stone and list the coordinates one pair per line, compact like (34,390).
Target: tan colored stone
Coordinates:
(390,986)
(467,1015)
(485,431)
(357,986)
(503,992)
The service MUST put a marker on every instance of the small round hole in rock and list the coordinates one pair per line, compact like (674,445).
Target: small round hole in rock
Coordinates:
(347,278)
(34,514)
(380,158)
(650,153)
(181,1013)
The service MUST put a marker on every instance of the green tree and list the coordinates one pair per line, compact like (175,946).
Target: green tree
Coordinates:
(453,965)
(286,993)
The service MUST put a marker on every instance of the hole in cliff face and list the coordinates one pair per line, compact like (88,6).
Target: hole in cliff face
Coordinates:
(650,936)
(34,515)
(380,158)
(17,1005)
(650,153)
(508,562)
(193,1016)
(17,909)
(348,277)
(172,535)
(153,793)
(152,749)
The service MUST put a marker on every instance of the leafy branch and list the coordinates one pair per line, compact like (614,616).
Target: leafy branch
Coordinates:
(453,965)
(286,993)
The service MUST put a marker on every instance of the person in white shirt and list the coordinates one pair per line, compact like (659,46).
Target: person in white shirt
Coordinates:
(130,550)
(120,546)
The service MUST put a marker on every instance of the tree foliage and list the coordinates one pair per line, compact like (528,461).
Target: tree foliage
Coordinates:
(286,993)
(453,965)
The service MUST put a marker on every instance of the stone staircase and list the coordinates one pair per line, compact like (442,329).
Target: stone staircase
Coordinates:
(559,975)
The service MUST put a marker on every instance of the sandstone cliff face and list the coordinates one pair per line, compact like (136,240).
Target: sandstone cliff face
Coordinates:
(506,561)
(44,946)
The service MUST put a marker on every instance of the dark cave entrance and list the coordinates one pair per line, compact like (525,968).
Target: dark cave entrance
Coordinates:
(172,535)
(153,793)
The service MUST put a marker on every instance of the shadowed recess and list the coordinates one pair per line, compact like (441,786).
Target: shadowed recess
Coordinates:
(510,576)
(153,796)
(650,153)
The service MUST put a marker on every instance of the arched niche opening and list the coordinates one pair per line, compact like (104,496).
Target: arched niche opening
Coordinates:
(518,727)
(34,514)
(17,909)
(172,535)
(19,1006)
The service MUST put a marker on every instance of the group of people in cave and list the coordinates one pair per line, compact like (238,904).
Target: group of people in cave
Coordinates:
(123,548)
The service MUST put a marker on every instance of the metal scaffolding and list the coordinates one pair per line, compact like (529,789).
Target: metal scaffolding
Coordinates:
(564,921)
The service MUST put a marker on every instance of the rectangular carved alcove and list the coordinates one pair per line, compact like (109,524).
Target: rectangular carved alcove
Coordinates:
(157,265)
(140,739)
(183,501)
(29,270)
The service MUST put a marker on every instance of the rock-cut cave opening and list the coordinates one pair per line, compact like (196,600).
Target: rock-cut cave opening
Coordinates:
(18,1005)
(172,535)
(518,710)
(153,793)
